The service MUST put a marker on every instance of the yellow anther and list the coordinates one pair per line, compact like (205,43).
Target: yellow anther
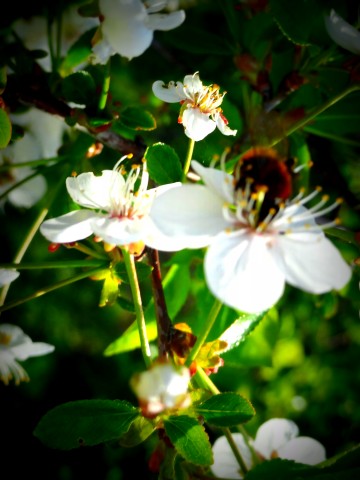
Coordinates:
(134,166)
(325,198)
(337,221)
(130,155)
(339,200)
(318,188)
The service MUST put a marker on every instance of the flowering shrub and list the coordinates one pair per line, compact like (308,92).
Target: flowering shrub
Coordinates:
(179,198)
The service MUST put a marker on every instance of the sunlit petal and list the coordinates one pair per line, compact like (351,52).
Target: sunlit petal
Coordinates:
(170,93)
(165,21)
(303,450)
(225,464)
(68,228)
(197,124)
(218,181)
(273,434)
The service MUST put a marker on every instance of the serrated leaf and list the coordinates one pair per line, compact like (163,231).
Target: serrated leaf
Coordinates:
(226,410)
(79,87)
(189,439)
(137,119)
(85,423)
(5,128)
(163,164)
(239,330)
(140,429)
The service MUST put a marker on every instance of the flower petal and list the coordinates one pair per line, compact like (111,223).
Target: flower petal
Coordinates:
(7,276)
(170,93)
(343,33)
(225,464)
(273,434)
(197,124)
(92,191)
(189,212)
(28,193)
(118,231)
(223,127)
(33,349)
(311,262)
(165,21)
(217,180)
(241,272)
(68,228)
(303,450)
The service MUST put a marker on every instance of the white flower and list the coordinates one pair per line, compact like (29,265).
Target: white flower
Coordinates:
(276,438)
(342,32)
(250,259)
(114,211)
(7,276)
(42,138)
(164,386)
(200,111)
(128,26)
(15,345)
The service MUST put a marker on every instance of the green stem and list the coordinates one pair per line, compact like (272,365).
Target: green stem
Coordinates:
(105,87)
(214,312)
(59,264)
(50,288)
(87,250)
(332,136)
(317,111)
(135,290)
(188,158)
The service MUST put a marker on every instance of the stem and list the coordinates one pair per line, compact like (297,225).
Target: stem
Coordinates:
(87,250)
(55,286)
(188,158)
(59,264)
(105,87)
(214,312)
(164,324)
(304,121)
(135,290)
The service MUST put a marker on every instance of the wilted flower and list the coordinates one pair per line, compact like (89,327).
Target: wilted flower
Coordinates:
(276,438)
(7,276)
(115,211)
(164,386)
(42,138)
(200,111)
(15,345)
(342,32)
(252,252)
(127,26)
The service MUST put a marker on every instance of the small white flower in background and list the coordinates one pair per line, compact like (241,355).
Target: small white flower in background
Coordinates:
(200,111)
(7,276)
(248,259)
(15,345)
(42,138)
(276,438)
(127,26)
(343,33)
(114,211)
(164,386)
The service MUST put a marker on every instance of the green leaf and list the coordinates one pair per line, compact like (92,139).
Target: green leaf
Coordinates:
(3,79)
(189,439)
(137,119)
(5,129)
(142,271)
(140,429)
(109,291)
(279,469)
(78,53)
(79,87)
(85,423)
(240,329)
(163,164)
(226,410)
(176,286)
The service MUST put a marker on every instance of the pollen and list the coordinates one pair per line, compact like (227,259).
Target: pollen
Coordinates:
(130,155)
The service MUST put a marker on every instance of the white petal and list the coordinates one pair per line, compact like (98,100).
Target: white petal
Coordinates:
(197,124)
(28,193)
(118,231)
(22,352)
(343,33)
(241,272)
(273,434)
(190,212)
(223,127)
(314,265)
(171,93)
(102,51)
(225,464)
(15,333)
(217,180)
(92,191)
(153,6)
(193,84)
(124,28)
(303,450)
(165,21)
(7,276)
(68,228)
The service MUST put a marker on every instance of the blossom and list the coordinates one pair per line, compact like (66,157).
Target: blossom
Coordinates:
(275,438)
(42,138)
(127,26)
(342,32)
(7,276)
(200,111)
(114,212)
(15,345)
(251,253)
(164,386)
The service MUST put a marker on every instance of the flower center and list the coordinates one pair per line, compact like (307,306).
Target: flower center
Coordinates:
(5,339)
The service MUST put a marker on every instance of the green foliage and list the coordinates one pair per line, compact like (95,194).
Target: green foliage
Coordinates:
(163,164)
(5,129)
(226,410)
